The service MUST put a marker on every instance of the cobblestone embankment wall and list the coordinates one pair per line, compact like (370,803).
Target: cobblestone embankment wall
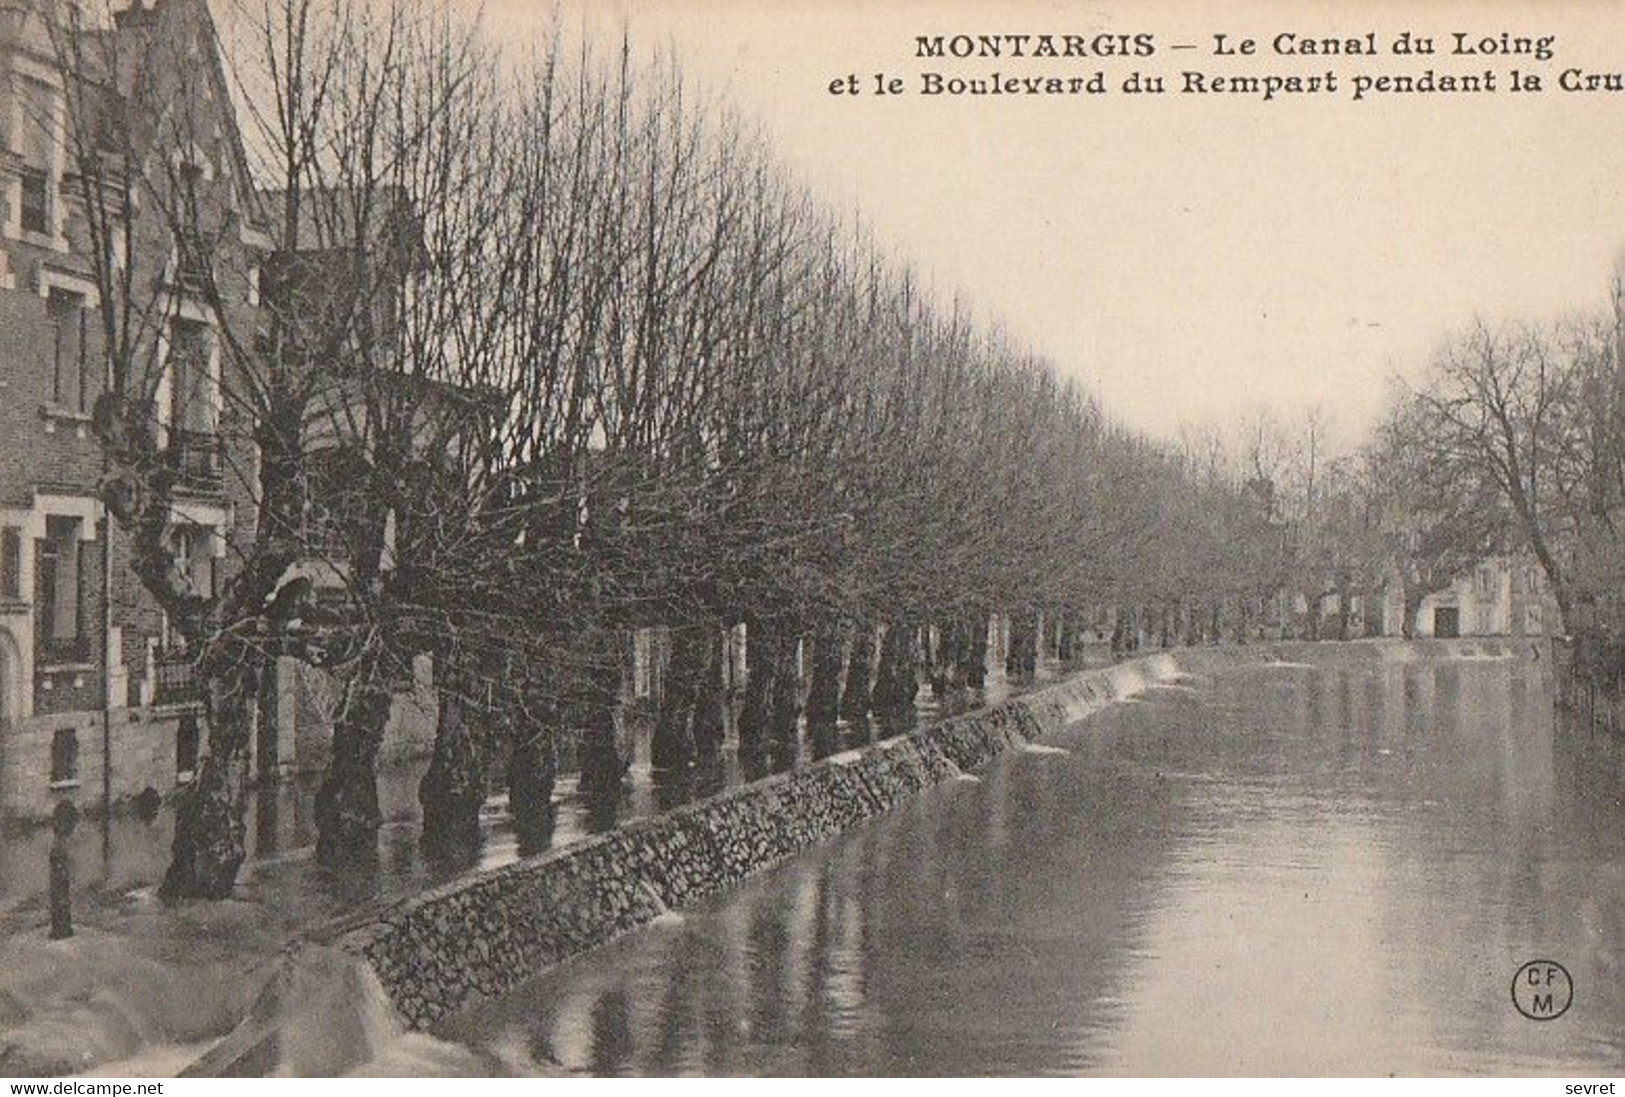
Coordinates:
(480,935)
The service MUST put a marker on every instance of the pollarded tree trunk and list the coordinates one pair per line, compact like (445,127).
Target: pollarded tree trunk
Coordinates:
(825,650)
(786,713)
(824,684)
(1021,660)
(533,769)
(935,643)
(210,828)
(1066,640)
(761,665)
(347,815)
(453,789)
(1013,661)
(974,651)
(859,675)
(672,745)
(962,625)
(592,714)
(1413,608)
(709,727)
(948,657)
(896,682)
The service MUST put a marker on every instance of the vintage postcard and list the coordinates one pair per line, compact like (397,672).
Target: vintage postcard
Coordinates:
(840,539)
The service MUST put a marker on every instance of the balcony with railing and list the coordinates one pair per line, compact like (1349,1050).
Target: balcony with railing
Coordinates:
(194,263)
(175,678)
(196,456)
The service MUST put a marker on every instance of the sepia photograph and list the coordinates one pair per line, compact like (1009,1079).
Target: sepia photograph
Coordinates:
(847,538)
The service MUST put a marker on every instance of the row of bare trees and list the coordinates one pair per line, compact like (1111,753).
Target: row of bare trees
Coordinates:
(1515,437)
(1509,442)
(513,356)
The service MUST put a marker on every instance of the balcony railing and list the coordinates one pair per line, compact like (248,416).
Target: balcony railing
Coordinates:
(175,678)
(196,457)
(193,263)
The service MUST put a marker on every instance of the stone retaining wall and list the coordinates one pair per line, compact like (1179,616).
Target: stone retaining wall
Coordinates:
(480,935)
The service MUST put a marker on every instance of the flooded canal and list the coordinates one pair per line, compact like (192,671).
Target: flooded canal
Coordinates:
(1280,870)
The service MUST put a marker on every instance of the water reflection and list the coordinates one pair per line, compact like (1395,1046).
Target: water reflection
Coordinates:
(125,854)
(62,826)
(1282,871)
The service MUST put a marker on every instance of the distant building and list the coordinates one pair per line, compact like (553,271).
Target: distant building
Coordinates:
(1501,596)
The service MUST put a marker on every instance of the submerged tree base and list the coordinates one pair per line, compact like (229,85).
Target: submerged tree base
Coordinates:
(209,846)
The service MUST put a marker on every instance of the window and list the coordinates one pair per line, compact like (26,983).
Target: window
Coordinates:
(106,113)
(187,744)
(194,443)
(36,203)
(11,565)
(60,585)
(36,142)
(194,567)
(191,395)
(181,556)
(69,368)
(192,267)
(64,757)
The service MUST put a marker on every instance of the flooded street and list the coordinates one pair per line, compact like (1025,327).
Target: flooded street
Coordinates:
(1279,870)
(117,861)
(144,987)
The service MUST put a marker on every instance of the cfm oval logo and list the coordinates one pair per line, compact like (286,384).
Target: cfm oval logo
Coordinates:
(1542,990)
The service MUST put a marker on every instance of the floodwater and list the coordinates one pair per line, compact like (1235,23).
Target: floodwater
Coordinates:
(145,988)
(124,854)
(1280,870)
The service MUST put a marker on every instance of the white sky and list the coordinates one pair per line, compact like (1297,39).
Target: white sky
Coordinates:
(1190,259)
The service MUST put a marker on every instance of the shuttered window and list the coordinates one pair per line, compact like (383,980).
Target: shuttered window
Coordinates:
(69,367)
(61,583)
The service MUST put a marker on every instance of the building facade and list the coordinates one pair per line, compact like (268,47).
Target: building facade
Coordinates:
(1501,596)
(97,699)
(94,697)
